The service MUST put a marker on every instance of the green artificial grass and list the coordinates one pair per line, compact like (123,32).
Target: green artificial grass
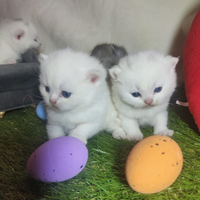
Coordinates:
(22,132)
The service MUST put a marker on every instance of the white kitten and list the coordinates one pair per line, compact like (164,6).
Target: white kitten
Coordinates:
(142,85)
(16,37)
(76,95)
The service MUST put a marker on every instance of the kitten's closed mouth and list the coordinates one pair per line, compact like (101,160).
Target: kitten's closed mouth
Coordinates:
(148,106)
(55,107)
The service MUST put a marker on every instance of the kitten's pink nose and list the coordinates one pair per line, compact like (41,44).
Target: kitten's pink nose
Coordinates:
(53,101)
(148,101)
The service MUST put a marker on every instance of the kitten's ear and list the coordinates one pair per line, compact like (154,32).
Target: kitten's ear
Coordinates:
(19,34)
(172,61)
(94,76)
(114,72)
(119,51)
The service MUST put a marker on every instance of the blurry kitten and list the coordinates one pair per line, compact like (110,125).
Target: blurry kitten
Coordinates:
(142,85)
(16,37)
(108,54)
(76,95)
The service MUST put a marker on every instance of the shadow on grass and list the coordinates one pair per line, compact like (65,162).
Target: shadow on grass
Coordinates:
(120,160)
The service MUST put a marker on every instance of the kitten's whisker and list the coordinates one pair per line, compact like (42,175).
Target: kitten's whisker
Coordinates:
(32,101)
(39,97)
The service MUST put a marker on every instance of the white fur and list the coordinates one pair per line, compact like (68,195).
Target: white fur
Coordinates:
(142,73)
(89,109)
(135,24)
(16,37)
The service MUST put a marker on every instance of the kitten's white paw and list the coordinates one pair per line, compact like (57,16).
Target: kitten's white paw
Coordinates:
(119,134)
(54,131)
(54,135)
(166,132)
(136,136)
(78,136)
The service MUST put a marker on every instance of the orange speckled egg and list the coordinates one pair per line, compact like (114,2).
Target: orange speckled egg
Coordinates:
(153,164)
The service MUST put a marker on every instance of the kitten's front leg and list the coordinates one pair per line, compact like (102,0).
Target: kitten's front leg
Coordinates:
(113,124)
(85,131)
(131,128)
(160,124)
(54,131)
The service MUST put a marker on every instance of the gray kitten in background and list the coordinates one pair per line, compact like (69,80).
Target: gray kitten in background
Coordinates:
(109,54)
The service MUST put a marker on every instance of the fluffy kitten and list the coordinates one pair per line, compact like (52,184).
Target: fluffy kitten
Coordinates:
(142,85)
(16,37)
(76,95)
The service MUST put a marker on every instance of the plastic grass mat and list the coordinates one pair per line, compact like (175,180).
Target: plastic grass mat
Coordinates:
(21,132)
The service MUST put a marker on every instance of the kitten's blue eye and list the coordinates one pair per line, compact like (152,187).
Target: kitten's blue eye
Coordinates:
(47,89)
(66,94)
(158,89)
(135,94)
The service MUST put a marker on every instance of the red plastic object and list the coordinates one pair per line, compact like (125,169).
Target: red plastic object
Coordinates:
(191,64)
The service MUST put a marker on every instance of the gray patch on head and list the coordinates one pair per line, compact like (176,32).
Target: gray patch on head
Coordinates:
(109,54)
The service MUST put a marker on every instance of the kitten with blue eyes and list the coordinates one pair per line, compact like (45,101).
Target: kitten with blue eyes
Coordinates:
(142,85)
(76,96)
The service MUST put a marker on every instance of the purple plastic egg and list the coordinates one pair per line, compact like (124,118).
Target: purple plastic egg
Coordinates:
(58,159)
